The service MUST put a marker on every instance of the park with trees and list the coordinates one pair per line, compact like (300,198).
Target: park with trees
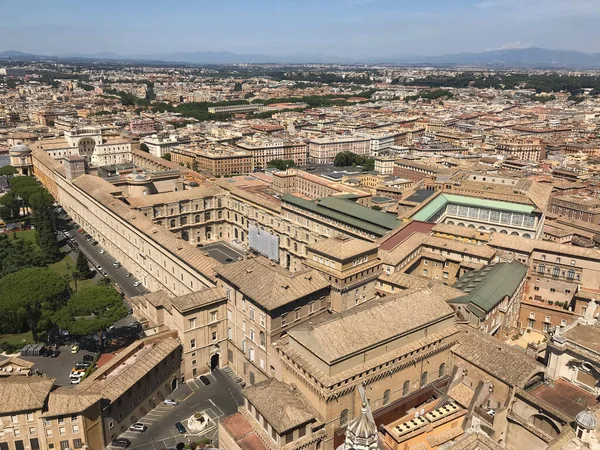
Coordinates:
(346,159)
(36,276)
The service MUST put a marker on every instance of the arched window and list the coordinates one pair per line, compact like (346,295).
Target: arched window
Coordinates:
(262,339)
(344,418)
(556,271)
(386,397)
(424,378)
(541,268)
(183,220)
(406,388)
(571,274)
(172,223)
(442,370)
(197,218)
(527,235)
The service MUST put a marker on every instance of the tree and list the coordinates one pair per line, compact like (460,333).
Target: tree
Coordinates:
(7,172)
(281,164)
(104,281)
(82,270)
(9,207)
(35,292)
(237,87)
(91,310)
(44,219)
(144,147)
(167,156)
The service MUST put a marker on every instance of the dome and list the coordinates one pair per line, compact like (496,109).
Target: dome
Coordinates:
(20,148)
(586,419)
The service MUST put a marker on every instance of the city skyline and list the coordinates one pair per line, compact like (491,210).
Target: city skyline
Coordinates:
(339,28)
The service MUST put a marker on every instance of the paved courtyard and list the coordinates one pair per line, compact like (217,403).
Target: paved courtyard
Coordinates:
(219,399)
(222,252)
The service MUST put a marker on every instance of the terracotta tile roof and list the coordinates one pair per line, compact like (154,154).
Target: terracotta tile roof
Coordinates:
(283,406)
(22,393)
(277,286)
(342,248)
(500,360)
(65,401)
(366,325)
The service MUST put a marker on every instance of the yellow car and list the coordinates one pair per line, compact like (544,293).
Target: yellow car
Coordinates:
(74,348)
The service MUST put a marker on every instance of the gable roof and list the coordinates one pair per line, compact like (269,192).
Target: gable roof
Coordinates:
(21,393)
(270,285)
(198,299)
(374,322)
(342,247)
(504,362)
(489,285)
(283,406)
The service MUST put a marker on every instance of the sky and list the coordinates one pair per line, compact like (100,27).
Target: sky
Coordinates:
(343,28)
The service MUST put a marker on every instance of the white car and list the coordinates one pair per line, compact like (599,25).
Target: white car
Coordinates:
(75,380)
(137,283)
(138,427)
(171,402)
(102,252)
(99,267)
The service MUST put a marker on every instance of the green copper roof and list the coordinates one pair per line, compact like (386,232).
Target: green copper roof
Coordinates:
(487,287)
(443,199)
(348,212)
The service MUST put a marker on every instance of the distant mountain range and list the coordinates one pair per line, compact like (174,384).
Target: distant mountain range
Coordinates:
(524,57)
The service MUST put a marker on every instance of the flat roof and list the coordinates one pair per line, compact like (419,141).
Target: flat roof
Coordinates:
(441,200)
(564,396)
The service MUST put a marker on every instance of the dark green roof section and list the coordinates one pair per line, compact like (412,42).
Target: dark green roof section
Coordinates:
(348,212)
(488,286)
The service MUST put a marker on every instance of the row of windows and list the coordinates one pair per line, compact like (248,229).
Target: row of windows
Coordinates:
(405,391)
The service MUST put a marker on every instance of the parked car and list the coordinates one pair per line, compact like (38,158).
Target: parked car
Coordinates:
(82,365)
(137,283)
(55,353)
(138,427)
(128,275)
(47,352)
(88,358)
(99,267)
(180,427)
(121,443)
(75,380)
(205,380)
(102,252)
(95,243)
(88,238)
(74,348)
(171,402)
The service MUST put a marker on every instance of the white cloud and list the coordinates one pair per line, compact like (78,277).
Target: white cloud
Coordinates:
(515,44)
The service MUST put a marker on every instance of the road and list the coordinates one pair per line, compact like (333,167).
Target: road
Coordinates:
(92,253)
(219,399)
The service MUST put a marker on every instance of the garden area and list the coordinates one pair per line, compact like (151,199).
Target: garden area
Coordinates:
(42,288)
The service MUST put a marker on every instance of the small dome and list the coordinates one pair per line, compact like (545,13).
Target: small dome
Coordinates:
(586,419)
(20,148)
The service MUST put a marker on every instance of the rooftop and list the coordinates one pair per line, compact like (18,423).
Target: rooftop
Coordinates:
(564,396)
(488,286)
(502,361)
(347,212)
(282,405)
(374,322)
(277,287)
(587,336)
(20,393)
(342,248)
